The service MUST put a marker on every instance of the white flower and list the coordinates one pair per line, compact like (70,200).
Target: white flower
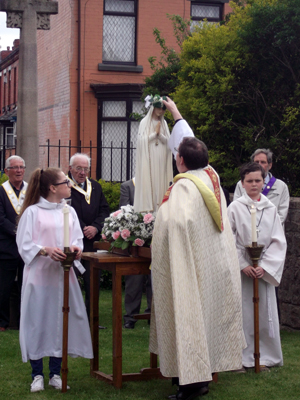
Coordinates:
(127,209)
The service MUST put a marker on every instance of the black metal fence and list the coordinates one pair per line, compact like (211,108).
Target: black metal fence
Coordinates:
(112,163)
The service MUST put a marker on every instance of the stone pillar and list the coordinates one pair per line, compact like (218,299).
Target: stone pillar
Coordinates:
(28,15)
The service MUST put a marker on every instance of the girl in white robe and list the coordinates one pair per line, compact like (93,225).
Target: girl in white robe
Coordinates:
(270,266)
(154,170)
(40,240)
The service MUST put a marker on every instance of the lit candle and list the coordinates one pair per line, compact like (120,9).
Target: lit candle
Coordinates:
(253,224)
(66,226)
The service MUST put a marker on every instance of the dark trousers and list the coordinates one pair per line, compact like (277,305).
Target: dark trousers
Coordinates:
(9,270)
(54,366)
(133,295)
(86,283)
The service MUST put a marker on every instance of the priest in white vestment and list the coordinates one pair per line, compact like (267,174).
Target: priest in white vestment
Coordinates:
(154,170)
(270,234)
(196,323)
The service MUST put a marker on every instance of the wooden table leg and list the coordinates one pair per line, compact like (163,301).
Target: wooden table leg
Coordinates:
(117,328)
(94,315)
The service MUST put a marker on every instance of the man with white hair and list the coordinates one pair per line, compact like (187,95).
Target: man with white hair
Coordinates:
(12,194)
(91,207)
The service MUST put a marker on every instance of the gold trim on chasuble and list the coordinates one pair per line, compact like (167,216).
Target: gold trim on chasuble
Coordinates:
(211,199)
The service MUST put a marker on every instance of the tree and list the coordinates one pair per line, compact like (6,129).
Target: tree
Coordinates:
(164,79)
(239,87)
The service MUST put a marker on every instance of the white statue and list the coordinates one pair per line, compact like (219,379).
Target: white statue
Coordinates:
(154,170)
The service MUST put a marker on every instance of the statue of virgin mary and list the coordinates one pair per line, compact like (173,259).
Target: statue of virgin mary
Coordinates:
(154,171)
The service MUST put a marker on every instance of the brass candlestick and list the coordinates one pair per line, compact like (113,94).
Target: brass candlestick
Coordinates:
(66,264)
(254,252)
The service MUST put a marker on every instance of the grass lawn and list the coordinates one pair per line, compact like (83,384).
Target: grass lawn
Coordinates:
(279,384)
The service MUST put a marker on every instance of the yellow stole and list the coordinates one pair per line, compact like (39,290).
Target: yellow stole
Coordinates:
(211,199)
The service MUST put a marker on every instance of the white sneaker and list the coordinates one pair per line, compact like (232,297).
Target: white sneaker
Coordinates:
(37,384)
(56,382)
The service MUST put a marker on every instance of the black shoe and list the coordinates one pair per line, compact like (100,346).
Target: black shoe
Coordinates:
(191,394)
(129,325)
(102,327)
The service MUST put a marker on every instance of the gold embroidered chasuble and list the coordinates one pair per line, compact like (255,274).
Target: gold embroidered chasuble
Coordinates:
(196,323)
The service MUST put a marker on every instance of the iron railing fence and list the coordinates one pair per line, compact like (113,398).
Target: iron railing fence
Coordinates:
(112,163)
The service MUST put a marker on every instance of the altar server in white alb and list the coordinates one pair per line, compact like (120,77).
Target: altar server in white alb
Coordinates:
(269,234)
(40,240)
(154,170)
(196,322)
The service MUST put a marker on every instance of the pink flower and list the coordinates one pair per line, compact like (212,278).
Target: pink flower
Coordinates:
(139,242)
(148,218)
(116,213)
(115,235)
(125,234)
(103,236)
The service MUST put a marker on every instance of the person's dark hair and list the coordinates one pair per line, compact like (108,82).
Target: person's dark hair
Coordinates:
(39,184)
(251,167)
(194,153)
(267,152)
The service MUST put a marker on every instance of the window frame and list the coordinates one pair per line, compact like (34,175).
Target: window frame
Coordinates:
(122,14)
(8,146)
(208,3)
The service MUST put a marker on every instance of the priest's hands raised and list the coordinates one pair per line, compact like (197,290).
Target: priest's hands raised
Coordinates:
(254,272)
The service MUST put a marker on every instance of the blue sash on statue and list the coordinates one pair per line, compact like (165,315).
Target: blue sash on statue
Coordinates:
(269,186)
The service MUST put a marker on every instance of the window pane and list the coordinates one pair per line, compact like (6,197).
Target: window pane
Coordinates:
(194,24)
(113,152)
(134,133)
(137,107)
(119,6)
(118,38)
(205,11)
(114,109)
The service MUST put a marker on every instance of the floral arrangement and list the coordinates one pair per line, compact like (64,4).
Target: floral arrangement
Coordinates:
(125,227)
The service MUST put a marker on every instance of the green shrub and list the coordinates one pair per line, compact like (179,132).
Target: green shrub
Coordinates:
(111,191)
(3,178)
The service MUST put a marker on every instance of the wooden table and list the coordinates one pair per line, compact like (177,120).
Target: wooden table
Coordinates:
(119,265)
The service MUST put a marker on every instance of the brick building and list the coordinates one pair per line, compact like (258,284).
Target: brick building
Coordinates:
(9,61)
(92,64)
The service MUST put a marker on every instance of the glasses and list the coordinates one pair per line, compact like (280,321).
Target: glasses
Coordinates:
(79,169)
(67,182)
(17,167)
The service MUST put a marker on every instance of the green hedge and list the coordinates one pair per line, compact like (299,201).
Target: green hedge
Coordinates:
(111,191)
(3,178)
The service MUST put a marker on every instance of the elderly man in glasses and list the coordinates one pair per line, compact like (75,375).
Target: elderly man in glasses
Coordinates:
(12,194)
(92,208)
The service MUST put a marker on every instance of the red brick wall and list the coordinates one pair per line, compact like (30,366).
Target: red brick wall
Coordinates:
(58,67)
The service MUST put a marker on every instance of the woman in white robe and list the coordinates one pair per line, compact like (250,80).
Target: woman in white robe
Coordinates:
(40,240)
(271,236)
(154,170)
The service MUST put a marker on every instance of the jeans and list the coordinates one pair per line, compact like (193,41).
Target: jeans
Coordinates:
(54,366)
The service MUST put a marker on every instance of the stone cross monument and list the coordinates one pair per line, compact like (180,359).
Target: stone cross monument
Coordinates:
(28,15)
